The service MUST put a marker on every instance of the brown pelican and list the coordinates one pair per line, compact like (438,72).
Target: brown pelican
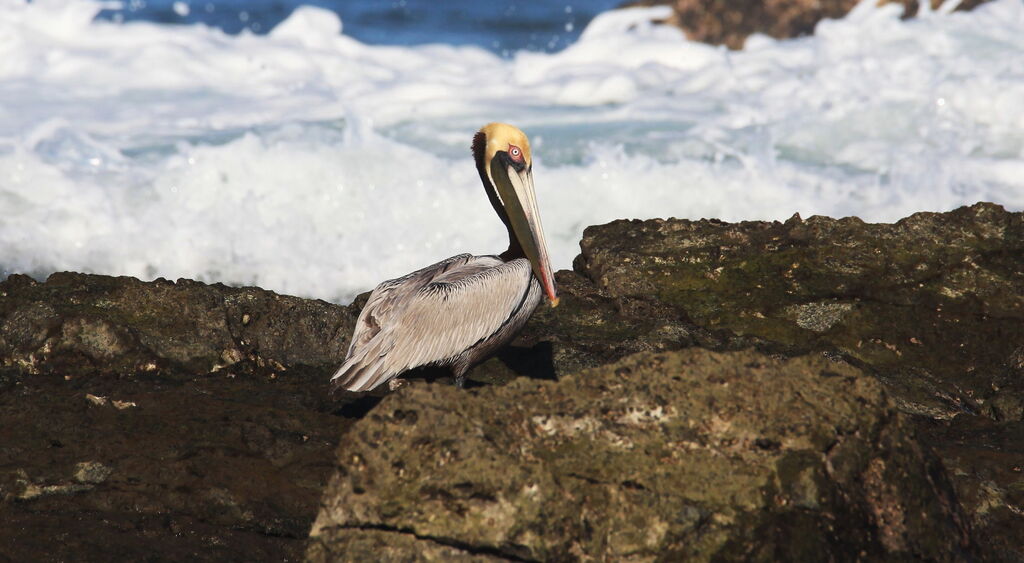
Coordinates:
(459,311)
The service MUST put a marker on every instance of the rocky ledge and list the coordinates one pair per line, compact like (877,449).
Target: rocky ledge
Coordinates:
(730,22)
(690,455)
(813,389)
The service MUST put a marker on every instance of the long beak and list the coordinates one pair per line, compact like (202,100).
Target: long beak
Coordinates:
(516,192)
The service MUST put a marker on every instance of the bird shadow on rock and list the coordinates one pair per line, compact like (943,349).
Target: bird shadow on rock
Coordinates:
(535,361)
(357,405)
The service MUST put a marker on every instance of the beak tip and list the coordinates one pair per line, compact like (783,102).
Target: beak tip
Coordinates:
(554,302)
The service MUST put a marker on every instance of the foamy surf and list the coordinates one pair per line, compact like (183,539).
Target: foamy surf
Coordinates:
(308,163)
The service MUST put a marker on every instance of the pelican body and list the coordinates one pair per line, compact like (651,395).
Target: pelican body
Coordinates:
(461,310)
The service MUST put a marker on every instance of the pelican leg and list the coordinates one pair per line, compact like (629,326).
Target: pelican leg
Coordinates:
(459,371)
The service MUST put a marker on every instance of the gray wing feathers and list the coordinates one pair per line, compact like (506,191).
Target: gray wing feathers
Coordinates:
(431,316)
(391,293)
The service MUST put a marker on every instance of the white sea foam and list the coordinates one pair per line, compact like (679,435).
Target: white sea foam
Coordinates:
(306,162)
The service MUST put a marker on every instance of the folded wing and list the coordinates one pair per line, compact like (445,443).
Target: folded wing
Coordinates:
(432,316)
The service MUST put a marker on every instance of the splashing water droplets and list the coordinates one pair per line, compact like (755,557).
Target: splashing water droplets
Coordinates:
(292,159)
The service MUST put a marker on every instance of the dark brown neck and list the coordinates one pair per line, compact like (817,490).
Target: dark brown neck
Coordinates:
(515,250)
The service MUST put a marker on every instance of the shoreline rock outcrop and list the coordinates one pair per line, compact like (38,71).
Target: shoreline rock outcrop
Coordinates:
(730,22)
(932,304)
(119,326)
(175,421)
(686,456)
(193,420)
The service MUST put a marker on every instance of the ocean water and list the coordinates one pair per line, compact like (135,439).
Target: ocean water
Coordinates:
(312,163)
(506,27)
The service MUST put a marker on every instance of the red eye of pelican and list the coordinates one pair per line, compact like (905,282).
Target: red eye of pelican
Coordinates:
(515,153)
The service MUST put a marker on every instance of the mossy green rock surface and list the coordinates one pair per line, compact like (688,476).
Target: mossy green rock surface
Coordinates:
(932,304)
(118,326)
(690,455)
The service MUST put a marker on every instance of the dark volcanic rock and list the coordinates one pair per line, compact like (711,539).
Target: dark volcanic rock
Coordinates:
(143,421)
(99,324)
(210,467)
(933,304)
(730,22)
(192,421)
(690,455)
(985,460)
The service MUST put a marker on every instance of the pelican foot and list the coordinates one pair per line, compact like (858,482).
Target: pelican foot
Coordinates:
(395,383)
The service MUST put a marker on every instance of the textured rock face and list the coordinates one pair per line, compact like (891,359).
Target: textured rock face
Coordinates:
(203,468)
(157,420)
(730,22)
(110,325)
(193,420)
(688,455)
(932,304)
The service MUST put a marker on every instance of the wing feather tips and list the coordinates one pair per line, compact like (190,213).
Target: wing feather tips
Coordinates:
(357,374)
(345,379)
(358,378)
(366,368)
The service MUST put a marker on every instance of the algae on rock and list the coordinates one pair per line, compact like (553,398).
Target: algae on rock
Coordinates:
(690,455)
(121,375)
(932,304)
(85,323)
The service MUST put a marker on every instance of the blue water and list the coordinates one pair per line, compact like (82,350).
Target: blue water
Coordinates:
(503,27)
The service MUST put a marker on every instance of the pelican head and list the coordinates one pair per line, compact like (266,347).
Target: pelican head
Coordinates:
(502,154)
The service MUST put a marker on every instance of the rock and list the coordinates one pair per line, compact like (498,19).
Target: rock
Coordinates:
(97,324)
(221,466)
(208,404)
(730,22)
(179,419)
(1007,400)
(985,461)
(92,472)
(933,304)
(689,455)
